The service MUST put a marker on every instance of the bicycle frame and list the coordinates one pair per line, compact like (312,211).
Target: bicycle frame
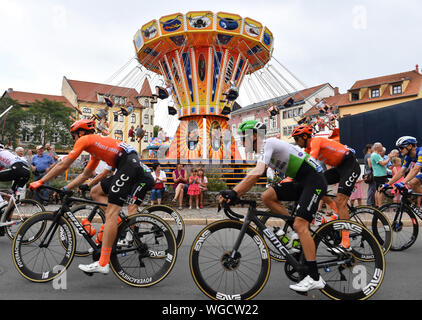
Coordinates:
(11,203)
(252,216)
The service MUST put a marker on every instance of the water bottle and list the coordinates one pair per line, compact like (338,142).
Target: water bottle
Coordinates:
(282,236)
(99,239)
(88,227)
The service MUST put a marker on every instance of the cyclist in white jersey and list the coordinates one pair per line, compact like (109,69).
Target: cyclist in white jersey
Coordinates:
(13,168)
(307,188)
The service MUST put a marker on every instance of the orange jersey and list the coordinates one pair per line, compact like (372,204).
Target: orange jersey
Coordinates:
(99,147)
(328,151)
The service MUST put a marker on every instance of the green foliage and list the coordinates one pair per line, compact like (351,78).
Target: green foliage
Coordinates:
(215,181)
(42,120)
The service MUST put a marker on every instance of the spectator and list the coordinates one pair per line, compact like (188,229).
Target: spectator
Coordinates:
(370,196)
(203,181)
(131,134)
(357,193)
(159,180)
(50,151)
(41,164)
(180,185)
(379,170)
(160,134)
(193,190)
(396,161)
(140,132)
(29,156)
(20,152)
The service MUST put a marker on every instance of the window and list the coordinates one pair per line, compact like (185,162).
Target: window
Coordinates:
(115,117)
(397,89)
(287,131)
(273,123)
(146,137)
(133,118)
(355,96)
(146,119)
(375,93)
(266,122)
(101,98)
(86,110)
(152,120)
(146,101)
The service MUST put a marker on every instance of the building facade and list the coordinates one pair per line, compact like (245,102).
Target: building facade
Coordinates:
(375,93)
(89,98)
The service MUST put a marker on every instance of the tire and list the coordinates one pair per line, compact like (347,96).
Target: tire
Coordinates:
(151,255)
(171,216)
(96,216)
(213,271)
(47,263)
(26,209)
(405,228)
(378,224)
(360,276)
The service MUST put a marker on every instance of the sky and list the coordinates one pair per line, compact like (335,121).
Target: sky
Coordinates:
(335,41)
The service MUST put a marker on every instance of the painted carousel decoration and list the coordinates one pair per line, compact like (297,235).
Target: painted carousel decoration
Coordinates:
(203,58)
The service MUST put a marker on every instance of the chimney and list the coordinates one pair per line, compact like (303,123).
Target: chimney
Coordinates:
(336,91)
(417,68)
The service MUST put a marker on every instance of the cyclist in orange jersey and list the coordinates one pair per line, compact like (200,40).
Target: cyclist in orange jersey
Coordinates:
(345,169)
(129,174)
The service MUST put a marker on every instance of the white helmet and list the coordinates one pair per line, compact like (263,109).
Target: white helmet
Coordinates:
(405,141)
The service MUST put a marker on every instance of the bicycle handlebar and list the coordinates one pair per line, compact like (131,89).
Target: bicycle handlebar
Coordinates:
(230,213)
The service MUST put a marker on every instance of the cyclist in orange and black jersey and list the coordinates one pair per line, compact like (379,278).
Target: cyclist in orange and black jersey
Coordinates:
(129,174)
(345,168)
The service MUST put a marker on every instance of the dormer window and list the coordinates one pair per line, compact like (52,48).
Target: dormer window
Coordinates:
(375,93)
(355,96)
(397,89)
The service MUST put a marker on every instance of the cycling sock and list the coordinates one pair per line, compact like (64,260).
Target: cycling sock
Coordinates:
(334,207)
(312,270)
(105,256)
(345,241)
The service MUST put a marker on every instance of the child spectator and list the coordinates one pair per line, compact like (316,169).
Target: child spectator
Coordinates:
(357,193)
(396,161)
(194,190)
(203,181)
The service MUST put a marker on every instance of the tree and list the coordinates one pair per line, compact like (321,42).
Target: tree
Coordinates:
(156,129)
(10,122)
(48,122)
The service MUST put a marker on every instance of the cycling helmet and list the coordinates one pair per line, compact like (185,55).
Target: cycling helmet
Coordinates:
(84,124)
(251,125)
(405,141)
(302,129)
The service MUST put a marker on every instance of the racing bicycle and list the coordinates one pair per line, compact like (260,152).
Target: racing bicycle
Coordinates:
(229,259)
(42,257)
(16,211)
(403,218)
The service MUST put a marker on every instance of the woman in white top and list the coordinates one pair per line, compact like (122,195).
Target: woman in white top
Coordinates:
(159,182)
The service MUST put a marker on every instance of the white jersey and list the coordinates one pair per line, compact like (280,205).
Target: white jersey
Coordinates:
(7,159)
(285,157)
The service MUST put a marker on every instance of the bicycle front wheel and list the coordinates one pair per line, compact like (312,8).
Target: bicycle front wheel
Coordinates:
(404,225)
(144,252)
(21,211)
(376,222)
(354,275)
(41,258)
(171,216)
(219,272)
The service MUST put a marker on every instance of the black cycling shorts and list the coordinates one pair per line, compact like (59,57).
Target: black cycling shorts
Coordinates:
(128,176)
(19,173)
(345,174)
(307,190)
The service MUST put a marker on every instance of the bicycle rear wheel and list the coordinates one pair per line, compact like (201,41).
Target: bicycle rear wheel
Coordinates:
(221,274)
(404,225)
(150,254)
(349,276)
(96,216)
(41,258)
(171,216)
(21,211)
(376,222)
